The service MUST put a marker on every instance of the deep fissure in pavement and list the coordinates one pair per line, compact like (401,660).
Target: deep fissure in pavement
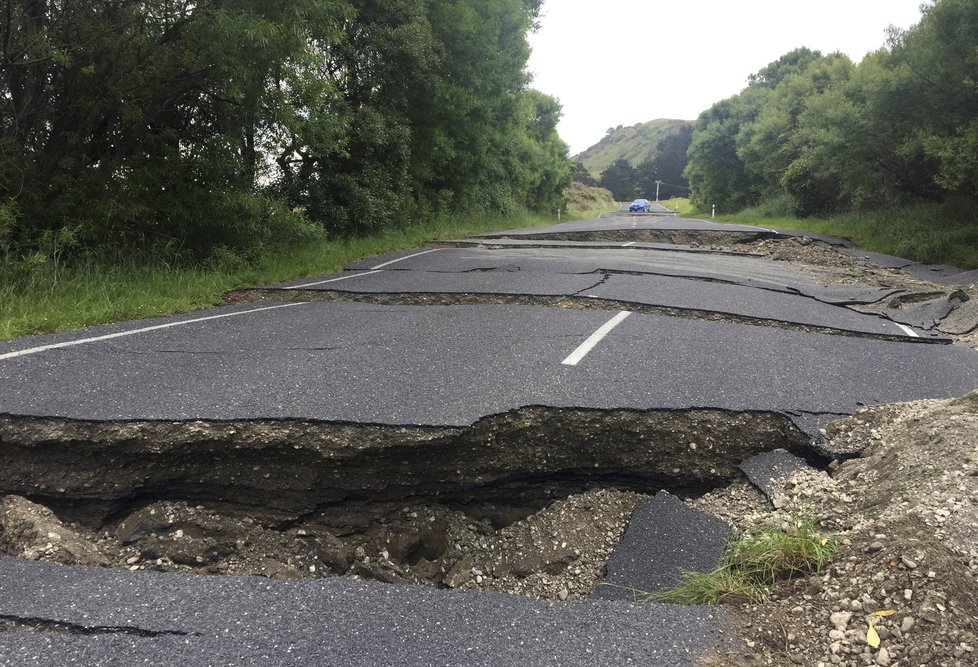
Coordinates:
(399,504)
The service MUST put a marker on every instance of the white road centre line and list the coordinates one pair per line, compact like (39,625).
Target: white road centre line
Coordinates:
(401,259)
(595,338)
(907,330)
(133,332)
(333,280)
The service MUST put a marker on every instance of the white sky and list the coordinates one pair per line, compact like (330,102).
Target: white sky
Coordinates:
(622,62)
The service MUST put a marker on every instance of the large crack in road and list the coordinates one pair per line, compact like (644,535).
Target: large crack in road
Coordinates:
(308,499)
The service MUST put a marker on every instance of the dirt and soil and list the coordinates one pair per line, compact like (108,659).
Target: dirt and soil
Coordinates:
(901,498)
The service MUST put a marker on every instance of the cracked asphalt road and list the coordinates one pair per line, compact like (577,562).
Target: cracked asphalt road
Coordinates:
(401,365)
(442,364)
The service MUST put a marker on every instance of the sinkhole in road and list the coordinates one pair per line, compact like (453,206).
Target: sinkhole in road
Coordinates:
(531,501)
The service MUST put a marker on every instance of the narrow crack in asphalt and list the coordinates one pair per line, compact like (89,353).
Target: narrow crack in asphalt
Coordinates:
(44,625)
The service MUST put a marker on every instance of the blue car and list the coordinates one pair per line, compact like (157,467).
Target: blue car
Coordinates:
(640,205)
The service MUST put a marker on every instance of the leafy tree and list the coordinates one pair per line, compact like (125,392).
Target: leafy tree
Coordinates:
(716,173)
(939,60)
(620,178)
(583,176)
(197,124)
(667,165)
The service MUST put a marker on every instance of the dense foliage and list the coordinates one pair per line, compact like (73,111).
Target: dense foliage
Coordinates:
(817,134)
(203,125)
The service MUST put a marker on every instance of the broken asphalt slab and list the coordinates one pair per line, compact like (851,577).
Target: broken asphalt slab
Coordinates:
(346,362)
(57,615)
(733,268)
(664,538)
(942,275)
(768,470)
(739,286)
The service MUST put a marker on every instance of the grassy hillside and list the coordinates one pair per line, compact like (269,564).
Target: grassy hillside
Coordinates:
(584,201)
(636,144)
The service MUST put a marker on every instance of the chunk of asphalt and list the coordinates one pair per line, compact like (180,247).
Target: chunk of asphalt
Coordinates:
(963,319)
(926,314)
(663,538)
(768,470)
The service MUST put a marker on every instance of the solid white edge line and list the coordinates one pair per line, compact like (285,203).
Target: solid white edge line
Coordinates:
(401,259)
(629,245)
(133,332)
(577,355)
(908,330)
(333,280)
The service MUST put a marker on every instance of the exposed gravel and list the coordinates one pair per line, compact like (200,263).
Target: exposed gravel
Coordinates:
(551,554)
(905,514)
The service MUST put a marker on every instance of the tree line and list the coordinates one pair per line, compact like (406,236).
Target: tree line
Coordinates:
(818,134)
(201,124)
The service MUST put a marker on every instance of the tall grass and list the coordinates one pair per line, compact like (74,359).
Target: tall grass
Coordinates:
(44,296)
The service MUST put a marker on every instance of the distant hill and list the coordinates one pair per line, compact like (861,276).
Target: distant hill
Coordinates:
(635,144)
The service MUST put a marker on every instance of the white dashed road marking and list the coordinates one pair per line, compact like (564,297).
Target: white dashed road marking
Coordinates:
(333,280)
(401,259)
(595,338)
(907,330)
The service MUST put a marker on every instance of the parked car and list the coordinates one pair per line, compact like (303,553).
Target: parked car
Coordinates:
(640,205)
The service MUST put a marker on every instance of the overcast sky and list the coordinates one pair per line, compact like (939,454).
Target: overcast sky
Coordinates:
(622,62)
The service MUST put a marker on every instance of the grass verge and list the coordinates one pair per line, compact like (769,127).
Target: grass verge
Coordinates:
(752,564)
(47,297)
(681,205)
(933,233)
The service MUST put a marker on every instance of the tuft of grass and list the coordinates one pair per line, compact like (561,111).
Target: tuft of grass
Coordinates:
(40,295)
(752,564)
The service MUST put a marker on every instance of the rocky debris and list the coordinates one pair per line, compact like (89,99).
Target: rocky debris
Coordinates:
(768,470)
(548,554)
(32,531)
(903,589)
(567,554)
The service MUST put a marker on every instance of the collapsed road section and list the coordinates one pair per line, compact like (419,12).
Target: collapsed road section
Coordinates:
(415,419)
(416,505)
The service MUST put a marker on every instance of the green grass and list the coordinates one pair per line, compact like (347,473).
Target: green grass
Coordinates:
(752,564)
(935,233)
(45,297)
(585,202)
(680,204)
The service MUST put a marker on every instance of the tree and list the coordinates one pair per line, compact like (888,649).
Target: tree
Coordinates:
(620,179)
(667,165)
